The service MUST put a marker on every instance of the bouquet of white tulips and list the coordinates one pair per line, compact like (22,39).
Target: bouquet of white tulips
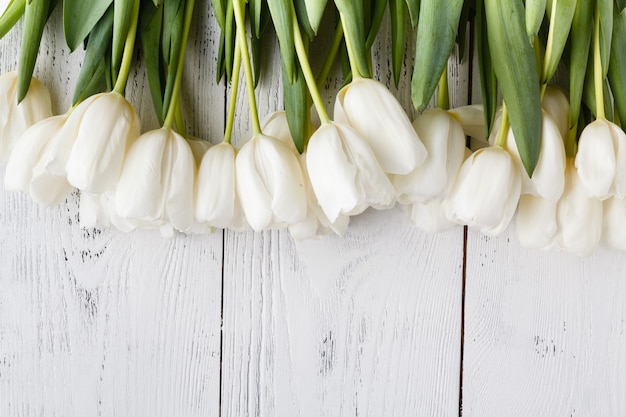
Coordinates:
(555,154)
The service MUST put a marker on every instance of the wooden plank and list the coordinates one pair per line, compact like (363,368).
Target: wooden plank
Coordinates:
(98,322)
(367,324)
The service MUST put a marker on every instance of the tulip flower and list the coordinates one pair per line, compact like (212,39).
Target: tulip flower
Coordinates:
(431,217)
(556,104)
(32,166)
(614,219)
(156,186)
(536,222)
(601,160)
(486,191)
(270,183)
(377,116)
(100,210)
(445,141)
(579,217)
(217,203)
(103,127)
(472,120)
(345,174)
(548,178)
(16,118)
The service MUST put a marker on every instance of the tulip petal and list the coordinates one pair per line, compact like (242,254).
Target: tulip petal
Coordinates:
(216,195)
(596,160)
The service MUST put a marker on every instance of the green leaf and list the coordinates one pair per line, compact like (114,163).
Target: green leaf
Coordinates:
(303,19)
(229,40)
(398,36)
(151,23)
(488,81)
(376,15)
(123,11)
(315,12)
(561,22)
(281,12)
(580,43)
(93,70)
(11,15)
(173,19)
(297,107)
(617,63)
(589,93)
(79,17)
(605,8)
(620,5)
(219,8)
(35,17)
(414,11)
(436,33)
(353,20)
(461,33)
(255,7)
(535,10)
(514,63)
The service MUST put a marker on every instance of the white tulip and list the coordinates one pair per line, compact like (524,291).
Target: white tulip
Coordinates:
(100,210)
(556,104)
(536,222)
(472,120)
(549,176)
(345,175)
(614,223)
(103,128)
(431,217)
(270,183)
(28,167)
(579,217)
(156,186)
(217,203)
(601,160)
(445,141)
(377,116)
(16,118)
(486,191)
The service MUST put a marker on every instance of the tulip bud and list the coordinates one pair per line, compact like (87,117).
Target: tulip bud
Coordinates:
(270,184)
(103,128)
(548,178)
(601,160)
(445,141)
(156,186)
(345,175)
(614,223)
(536,222)
(579,217)
(556,104)
(377,116)
(32,166)
(472,120)
(486,191)
(16,118)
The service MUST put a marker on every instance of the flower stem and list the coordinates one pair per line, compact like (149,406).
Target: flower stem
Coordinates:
(306,69)
(234,87)
(10,16)
(180,120)
(247,66)
(129,48)
(443,99)
(332,54)
(504,127)
(171,111)
(351,57)
(597,68)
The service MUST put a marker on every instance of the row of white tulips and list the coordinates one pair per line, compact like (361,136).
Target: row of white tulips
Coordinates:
(371,155)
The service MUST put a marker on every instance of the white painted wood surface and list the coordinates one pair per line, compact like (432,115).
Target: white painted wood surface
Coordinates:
(98,322)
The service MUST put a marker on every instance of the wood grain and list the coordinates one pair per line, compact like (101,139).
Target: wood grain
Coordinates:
(98,322)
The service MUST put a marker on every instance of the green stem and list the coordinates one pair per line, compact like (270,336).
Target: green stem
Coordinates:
(180,120)
(597,68)
(443,99)
(306,70)
(171,110)
(549,46)
(504,127)
(351,57)
(247,66)
(332,54)
(129,48)
(13,13)
(234,87)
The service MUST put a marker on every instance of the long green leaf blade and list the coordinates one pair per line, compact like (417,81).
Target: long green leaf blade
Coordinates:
(11,15)
(515,67)
(436,33)
(605,8)
(397,10)
(79,17)
(535,10)
(488,82)
(560,25)
(617,63)
(282,16)
(582,27)
(35,17)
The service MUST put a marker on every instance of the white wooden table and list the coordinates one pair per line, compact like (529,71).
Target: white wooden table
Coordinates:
(387,321)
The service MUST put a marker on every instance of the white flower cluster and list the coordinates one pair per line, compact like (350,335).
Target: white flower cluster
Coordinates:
(370,155)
